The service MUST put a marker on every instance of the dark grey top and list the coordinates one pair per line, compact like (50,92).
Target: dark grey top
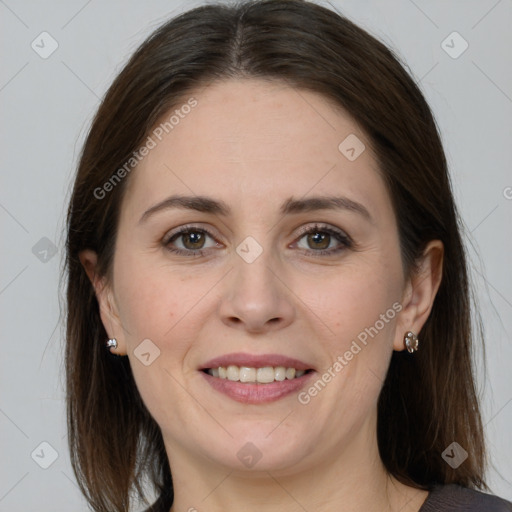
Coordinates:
(442,498)
(454,498)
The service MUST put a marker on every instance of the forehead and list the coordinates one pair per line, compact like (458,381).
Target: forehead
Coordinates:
(246,139)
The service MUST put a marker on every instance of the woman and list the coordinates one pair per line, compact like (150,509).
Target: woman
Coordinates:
(262,234)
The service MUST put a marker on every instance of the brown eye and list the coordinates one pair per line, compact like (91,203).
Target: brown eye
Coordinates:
(190,241)
(193,239)
(319,240)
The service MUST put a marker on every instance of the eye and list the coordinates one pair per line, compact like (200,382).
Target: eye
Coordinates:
(319,240)
(191,239)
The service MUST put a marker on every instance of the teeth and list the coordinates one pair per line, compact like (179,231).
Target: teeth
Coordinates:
(264,375)
(247,374)
(280,373)
(233,372)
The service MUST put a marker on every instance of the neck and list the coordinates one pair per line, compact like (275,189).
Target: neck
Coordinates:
(353,479)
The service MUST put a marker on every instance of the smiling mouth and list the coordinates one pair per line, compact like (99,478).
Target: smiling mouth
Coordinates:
(254,375)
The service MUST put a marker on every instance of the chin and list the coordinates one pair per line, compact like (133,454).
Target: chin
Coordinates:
(257,448)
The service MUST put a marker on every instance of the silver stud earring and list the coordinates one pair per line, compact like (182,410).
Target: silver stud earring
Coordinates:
(111,343)
(411,342)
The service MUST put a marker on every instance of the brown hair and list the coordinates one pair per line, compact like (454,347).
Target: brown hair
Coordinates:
(427,401)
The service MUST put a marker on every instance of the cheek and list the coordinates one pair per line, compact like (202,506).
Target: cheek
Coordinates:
(148,302)
(146,306)
(157,302)
(153,304)
(360,308)
(352,301)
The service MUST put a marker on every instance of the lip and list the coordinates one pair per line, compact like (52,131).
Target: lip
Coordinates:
(256,361)
(249,393)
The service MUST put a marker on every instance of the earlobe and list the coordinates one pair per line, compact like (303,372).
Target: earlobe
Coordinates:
(108,312)
(420,293)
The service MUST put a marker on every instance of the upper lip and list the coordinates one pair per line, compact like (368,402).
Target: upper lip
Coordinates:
(256,361)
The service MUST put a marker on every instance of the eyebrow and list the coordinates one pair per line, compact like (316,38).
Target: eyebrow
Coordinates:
(290,206)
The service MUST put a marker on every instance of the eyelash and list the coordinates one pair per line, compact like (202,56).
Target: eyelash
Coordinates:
(340,236)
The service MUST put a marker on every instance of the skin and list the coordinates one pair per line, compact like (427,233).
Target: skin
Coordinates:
(255,144)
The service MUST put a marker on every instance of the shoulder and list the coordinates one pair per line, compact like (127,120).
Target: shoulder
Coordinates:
(454,498)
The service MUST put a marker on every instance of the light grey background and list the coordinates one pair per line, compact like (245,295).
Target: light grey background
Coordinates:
(47,105)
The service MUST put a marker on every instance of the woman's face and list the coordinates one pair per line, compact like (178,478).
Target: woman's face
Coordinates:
(288,257)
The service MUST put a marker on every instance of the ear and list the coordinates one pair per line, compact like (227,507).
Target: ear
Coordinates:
(108,309)
(419,293)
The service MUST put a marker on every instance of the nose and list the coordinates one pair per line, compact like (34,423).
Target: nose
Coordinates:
(256,297)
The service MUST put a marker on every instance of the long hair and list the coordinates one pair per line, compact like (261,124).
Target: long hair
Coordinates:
(428,401)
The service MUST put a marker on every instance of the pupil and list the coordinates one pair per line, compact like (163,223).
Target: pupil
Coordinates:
(195,238)
(318,238)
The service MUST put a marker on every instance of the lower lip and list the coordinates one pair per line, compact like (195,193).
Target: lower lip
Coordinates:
(249,393)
